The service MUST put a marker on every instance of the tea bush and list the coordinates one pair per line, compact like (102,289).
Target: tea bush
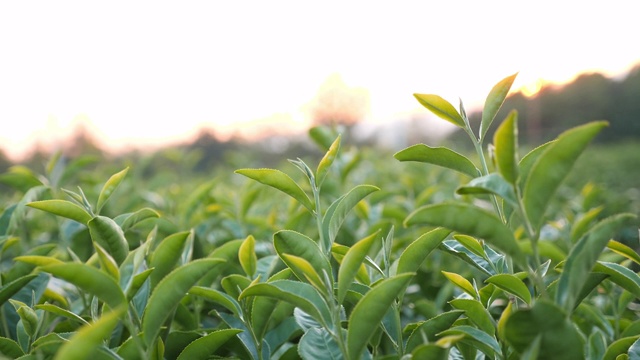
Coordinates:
(426,256)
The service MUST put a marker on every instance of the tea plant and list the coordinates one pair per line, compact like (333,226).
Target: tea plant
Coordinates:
(447,259)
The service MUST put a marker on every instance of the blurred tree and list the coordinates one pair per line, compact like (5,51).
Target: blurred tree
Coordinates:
(338,104)
(554,109)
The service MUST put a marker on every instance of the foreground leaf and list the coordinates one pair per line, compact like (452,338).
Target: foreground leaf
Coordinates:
(204,347)
(553,166)
(370,310)
(494,102)
(83,344)
(559,338)
(583,257)
(414,255)
(318,344)
(281,181)
(299,294)
(109,187)
(441,108)
(169,292)
(469,220)
(440,156)
(91,280)
(63,208)
(110,236)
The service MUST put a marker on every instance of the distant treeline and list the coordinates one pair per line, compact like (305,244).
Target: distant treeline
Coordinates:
(554,108)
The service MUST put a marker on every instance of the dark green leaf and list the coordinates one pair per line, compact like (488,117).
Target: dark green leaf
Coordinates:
(370,310)
(553,166)
(511,284)
(206,346)
(110,236)
(415,254)
(168,293)
(583,257)
(559,337)
(492,184)
(90,280)
(469,220)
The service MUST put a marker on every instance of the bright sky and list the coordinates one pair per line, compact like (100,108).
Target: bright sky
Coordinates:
(136,72)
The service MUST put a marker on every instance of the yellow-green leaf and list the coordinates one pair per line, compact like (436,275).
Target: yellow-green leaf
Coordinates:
(281,181)
(505,141)
(494,102)
(441,108)
(62,208)
(109,187)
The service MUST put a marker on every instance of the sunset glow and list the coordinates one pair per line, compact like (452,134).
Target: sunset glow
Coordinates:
(144,73)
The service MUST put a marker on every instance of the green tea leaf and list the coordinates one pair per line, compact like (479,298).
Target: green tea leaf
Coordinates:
(370,310)
(527,162)
(21,178)
(583,257)
(10,289)
(344,206)
(494,102)
(581,225)
(247,256)
(478,338)
(430,352)
(10,348)
(492,184)
(462,283)
(281,181)
(440,156)
(511,284)
(430,329)
(54,309)
(620,347)
(299,294)
(63,208)
(91,280)
(622,276)
(415,254)
(136,283)
(206,346)
(441,108)
(469,220)
(167,255)
(553,166)
(476,313)
(304,270)
(623,250)
(84,343)
(327,160)
(506,142)
(559,337)
(317,343)
(110,236)
(168,293)
(140,215)
(107,263)
(471,244)
(294,243)
(323,136)
(109,187)
(38,260)
(351,264)
(217,297)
